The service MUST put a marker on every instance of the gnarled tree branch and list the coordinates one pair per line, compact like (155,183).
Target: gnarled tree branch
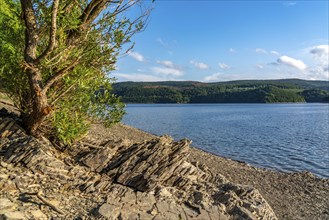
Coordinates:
(52,36)
(31,35)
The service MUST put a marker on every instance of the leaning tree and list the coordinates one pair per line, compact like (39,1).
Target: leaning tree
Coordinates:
(56,56)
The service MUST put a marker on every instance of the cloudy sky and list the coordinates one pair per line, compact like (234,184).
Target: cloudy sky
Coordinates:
(230,40)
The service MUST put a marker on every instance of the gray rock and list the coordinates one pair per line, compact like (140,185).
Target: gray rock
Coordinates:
(145,215)
(242,213)
(38,214)
(6,204)
(98,159)
(109,211)
(13,215)
(145,200)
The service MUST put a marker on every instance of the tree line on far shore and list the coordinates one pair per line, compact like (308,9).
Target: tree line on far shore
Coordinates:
(248,91)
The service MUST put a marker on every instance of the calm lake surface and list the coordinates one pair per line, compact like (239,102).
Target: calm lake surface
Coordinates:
(285,137)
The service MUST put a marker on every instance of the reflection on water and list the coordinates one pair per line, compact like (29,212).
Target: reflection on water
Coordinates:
(286,137)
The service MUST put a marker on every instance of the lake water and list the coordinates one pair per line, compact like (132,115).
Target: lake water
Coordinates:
(285,137)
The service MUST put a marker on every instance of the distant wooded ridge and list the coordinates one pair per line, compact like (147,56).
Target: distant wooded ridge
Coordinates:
(241,91)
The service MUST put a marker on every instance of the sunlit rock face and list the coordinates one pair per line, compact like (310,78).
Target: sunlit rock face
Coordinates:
(115,179)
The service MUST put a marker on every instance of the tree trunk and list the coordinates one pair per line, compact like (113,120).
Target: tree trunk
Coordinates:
(33,120)
(38,102)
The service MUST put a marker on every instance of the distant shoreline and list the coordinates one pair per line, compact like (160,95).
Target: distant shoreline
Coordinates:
(243,91)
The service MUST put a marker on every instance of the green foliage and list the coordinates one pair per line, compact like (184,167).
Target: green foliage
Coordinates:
(250,91)
(83,94)
(12,79)
(275,95)
(315,95)
(92,100)
(69,125)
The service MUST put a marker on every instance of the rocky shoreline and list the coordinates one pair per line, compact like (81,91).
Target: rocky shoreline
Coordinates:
(125,173)
(291,195)
(113,178)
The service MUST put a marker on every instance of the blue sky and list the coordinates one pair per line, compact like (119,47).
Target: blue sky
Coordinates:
(230,40)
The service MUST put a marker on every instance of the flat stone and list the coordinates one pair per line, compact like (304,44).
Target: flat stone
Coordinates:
(129,197)
(146,216)
(109,211)
(163,192)
(98,159)
(130,215)
(4,164)
(189,212)
(6,204)
(163,206)
(242,212)
(38,214)
(15,215)
(170,215)
(221,217)
(145,200)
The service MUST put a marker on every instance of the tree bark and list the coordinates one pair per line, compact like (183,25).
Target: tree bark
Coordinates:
(37,98)
(39,103)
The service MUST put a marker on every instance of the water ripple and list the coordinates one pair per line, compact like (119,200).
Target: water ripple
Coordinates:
(286,137)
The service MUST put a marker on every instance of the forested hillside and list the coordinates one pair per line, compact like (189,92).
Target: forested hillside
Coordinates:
(245,91)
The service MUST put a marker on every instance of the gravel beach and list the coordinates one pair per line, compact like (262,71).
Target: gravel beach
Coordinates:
(291,195)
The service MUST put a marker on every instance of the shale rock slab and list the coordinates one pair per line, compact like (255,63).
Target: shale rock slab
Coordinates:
(115,180)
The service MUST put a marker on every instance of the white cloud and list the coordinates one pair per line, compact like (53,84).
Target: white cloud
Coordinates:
(213,77)
(162,42)
(321,50)
(137,56)
(224,66)
(199,65)
(169,68)
(137,77)
(260,50)
(259,66)
(292,62)
(166,63)
(321,59)
(289,4)
(275,53)
(326,69)
(167,71)
(318,73)
(222,77)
